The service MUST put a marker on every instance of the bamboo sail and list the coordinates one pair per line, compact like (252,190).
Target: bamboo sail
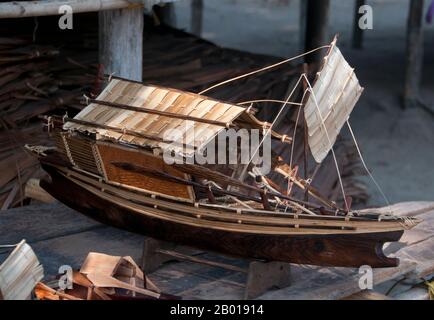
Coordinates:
(335,93)
(19,273)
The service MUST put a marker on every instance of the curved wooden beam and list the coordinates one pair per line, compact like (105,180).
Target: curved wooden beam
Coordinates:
(23,9)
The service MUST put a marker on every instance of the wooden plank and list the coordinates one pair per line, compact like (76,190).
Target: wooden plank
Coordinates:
(263,276)
(423,231)
(72,249)
(180,256)
(336,283)
(121,42)
(408,209)
(203,282)
(153,184)
(66,246)
(423,254)
(413,294)
(38,222)
(214,290)
(194,281)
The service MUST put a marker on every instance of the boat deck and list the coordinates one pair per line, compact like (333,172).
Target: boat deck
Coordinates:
(59,236)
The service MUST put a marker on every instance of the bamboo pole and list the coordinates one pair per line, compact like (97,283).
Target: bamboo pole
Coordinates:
(22,9)
(160,113)
(184,257)
(126,131)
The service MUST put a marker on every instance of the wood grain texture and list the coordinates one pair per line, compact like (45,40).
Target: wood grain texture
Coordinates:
(326,250)
(121,42)
(335,93)
(69,243)
(150,183)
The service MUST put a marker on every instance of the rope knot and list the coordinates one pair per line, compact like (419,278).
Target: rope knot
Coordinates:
(86,98)
(110,76)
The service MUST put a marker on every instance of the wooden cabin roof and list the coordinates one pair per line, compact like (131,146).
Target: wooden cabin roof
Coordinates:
(156,117)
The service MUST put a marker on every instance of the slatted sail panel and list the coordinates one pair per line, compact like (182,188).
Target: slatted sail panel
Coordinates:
(59,141)
(167,132)
(78,151)
(82,154)
(335,93)
(19,273)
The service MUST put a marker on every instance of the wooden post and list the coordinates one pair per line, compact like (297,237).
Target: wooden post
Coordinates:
(357,32)
(263,276)
(121,42)
(316,27)
(302,24)
(166,13)
(414,63)
(196,17)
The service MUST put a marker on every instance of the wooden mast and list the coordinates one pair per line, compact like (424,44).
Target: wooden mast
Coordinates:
(413,70)
(316,27)
(305,133)
(357,31)
(196,17)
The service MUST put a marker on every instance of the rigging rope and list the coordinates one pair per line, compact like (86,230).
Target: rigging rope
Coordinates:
(295,130)
(364,164)
(271,126)
(263,69)
(283,107)
(293,139)
(268,100)
(328,138)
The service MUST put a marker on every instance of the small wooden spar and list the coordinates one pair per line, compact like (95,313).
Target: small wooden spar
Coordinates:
(160,113)
(124,131)
(285,171)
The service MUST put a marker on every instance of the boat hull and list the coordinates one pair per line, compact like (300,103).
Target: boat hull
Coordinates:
(343,250)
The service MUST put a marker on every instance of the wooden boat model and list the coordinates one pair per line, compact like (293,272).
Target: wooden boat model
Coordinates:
(109,165)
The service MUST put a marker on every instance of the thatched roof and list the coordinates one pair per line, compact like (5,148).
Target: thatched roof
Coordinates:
(156,117)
